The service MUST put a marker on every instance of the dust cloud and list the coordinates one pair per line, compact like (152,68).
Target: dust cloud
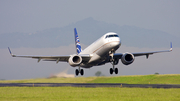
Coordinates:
(63,74)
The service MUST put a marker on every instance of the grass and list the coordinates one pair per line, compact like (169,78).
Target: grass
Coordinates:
(143,79)
(137,79)
(94,94)
(89,94)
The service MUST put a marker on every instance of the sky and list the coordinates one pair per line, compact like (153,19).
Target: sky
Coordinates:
(36,15)
(29,16)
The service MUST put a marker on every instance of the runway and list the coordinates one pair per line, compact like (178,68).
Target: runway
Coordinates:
(89,85)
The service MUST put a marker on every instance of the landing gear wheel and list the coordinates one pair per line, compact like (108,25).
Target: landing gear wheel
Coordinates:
(82,72)
(111,71)
(77,72)
(116,70)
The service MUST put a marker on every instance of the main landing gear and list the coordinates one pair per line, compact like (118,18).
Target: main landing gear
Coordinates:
(81,71)
(113,70)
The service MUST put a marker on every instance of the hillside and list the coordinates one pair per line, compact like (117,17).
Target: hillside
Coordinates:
(91,29)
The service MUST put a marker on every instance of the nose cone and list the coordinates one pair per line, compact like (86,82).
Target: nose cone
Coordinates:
(119,42)
(113,40)
(116,44)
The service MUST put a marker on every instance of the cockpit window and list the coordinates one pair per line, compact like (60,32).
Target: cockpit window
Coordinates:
(108,36)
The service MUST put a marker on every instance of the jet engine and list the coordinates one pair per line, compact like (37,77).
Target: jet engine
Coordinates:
(75,60)
(127,58)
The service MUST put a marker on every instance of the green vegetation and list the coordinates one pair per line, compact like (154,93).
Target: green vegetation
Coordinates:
(94,94)
(98,73)
(90,94)
(144,79)
(137,79)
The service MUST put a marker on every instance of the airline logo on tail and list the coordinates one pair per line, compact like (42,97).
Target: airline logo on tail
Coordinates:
(77,42)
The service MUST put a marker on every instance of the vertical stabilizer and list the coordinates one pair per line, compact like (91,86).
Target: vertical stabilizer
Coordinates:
(77,42)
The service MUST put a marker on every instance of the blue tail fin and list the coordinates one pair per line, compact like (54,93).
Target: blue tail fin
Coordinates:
(77,42)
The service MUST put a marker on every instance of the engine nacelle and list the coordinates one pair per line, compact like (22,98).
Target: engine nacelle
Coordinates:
(127,58)
(75,60)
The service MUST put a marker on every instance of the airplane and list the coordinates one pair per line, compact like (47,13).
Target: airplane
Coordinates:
(100,52)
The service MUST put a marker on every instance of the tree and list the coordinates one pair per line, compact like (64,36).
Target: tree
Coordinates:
(156,73)
(98,73)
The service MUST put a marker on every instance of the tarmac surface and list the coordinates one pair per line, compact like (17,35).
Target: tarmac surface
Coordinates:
(89,85)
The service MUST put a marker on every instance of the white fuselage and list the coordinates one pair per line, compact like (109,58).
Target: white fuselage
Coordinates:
(100,49)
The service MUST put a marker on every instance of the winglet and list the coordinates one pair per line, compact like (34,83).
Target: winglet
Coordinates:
(171,47)
(11,52)
(77,42)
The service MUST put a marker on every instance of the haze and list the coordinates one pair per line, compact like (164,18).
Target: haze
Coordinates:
(22,16)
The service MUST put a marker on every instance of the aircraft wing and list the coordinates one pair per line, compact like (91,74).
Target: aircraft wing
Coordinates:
(149,53)
(62,58)
(119,55)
